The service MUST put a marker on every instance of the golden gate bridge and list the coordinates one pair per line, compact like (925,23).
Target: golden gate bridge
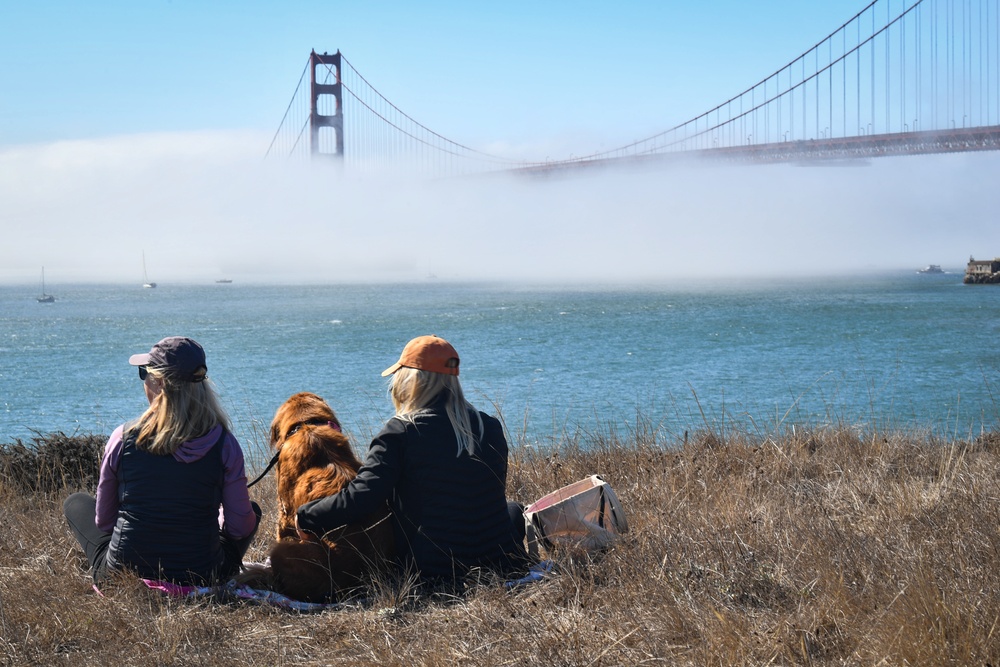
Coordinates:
(900,77)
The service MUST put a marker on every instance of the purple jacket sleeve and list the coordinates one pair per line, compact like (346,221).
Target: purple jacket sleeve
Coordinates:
(237,518)
(107,484)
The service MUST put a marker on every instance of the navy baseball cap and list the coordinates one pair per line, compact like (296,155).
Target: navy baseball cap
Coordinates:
(177,356)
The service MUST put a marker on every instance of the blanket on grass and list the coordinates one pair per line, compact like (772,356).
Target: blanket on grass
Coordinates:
(234,591)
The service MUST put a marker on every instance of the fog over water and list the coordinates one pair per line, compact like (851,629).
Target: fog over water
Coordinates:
(205,206)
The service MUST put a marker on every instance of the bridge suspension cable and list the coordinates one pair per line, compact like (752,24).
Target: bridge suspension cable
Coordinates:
(376,134)
(287,147)
(428,144)
(876,76)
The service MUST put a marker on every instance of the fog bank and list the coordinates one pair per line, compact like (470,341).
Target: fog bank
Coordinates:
(206,206)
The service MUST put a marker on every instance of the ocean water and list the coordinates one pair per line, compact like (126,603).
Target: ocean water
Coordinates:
(904,350)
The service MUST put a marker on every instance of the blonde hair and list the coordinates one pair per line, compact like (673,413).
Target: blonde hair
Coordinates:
(181,411)
(413,391)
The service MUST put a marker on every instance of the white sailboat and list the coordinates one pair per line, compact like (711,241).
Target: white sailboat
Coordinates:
(145,279)
(45,298)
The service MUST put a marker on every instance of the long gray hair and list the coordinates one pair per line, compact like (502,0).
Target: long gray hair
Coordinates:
(413,391)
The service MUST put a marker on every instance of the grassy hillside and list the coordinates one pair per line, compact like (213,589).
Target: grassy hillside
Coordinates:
(812,547)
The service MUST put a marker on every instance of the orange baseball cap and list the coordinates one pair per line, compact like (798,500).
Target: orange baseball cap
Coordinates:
(427,353)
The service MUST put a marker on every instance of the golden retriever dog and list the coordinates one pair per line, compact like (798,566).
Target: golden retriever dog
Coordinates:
(315,460)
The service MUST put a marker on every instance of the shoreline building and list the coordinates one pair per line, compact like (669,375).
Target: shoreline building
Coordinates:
(982,270)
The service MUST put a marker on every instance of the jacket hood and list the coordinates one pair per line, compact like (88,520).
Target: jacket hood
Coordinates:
(195,449)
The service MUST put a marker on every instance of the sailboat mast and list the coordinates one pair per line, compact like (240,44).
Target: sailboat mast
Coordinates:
(145,278)
(45,298)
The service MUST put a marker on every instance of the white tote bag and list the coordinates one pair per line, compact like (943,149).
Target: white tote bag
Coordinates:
(584,516)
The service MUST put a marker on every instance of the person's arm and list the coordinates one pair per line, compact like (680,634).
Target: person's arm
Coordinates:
(366,493)
(107,484)
(495,438)
(237,518)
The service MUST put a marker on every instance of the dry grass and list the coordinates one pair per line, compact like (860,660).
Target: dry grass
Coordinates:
(829,547)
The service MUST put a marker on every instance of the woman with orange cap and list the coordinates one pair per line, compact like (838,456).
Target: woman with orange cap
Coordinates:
(442,467)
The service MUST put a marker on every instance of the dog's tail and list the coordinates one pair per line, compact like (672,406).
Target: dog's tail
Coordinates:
(306,570)
(256,575)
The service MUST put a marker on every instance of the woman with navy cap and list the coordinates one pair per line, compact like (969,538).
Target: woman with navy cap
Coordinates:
(172,501)
(442,467)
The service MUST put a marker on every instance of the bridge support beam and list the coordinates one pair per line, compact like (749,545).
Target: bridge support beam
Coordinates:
(318,120)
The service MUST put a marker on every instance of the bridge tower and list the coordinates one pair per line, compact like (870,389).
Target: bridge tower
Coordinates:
(318,120)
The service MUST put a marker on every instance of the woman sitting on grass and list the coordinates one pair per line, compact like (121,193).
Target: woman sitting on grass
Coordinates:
(164,478)
(442,467)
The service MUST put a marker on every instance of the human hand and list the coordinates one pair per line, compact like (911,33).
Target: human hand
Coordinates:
(304,535)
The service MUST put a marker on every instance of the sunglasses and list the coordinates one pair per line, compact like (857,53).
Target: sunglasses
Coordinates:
(142,373)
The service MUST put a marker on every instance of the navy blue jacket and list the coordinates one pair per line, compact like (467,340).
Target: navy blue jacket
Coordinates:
(168,518)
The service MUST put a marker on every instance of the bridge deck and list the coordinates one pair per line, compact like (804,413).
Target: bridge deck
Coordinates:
(813,150)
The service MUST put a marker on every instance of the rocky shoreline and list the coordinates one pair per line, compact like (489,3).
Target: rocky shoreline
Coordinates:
(982,279)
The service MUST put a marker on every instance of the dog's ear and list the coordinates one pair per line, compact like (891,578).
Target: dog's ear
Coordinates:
(276,426)
(324,409)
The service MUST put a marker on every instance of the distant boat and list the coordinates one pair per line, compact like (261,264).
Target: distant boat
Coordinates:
(224,281)
(145,280)
(45,298)
(931,268)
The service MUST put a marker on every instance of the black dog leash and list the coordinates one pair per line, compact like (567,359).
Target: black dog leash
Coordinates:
(274,459)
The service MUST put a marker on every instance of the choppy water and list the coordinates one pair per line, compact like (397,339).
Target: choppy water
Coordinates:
(911,351)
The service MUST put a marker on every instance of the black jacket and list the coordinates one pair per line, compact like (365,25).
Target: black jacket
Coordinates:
(449,508)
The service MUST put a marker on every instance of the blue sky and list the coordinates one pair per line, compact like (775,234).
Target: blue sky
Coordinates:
(475,72)
(131,127)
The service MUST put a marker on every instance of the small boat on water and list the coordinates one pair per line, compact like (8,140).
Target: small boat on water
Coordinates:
(931,268)
(45,298)
(145,279)
(224,281)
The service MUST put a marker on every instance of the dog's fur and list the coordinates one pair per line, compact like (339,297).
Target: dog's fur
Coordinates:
(315,461)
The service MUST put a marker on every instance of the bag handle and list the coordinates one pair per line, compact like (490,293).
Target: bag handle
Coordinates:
(534,533)
(617,513)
